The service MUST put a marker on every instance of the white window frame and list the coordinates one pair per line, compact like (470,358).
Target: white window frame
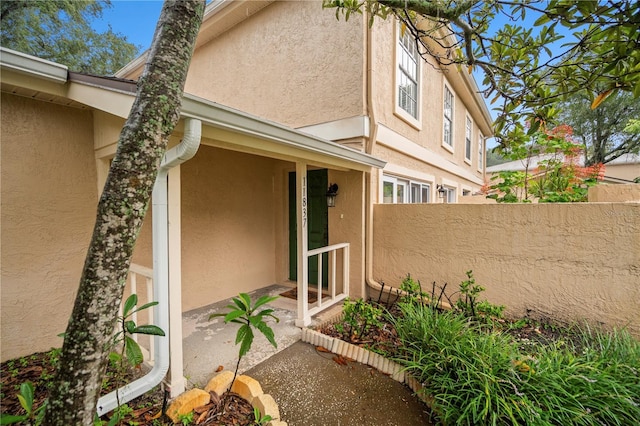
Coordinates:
(468,132)
(481,150)
(451,195)
(448,115)
(407,62)
(407,186)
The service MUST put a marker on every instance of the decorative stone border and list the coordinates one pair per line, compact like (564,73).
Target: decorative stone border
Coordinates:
(364,356)
(245,386)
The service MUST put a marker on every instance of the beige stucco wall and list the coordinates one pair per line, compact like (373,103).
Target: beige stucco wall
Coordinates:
(628,172)
(615,193)
(49,197)
(346,224)
(228,225)
(292,62)
(560,261)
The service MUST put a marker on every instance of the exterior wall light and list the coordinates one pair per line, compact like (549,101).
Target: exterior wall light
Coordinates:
(332,192)
(442,192)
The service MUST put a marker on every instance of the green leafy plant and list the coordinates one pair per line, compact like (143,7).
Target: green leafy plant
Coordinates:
(186,419)
(557,178)
(477,375)
(468,302)
(130,351)
(469,292)
(130,348)
(259,419)
(33,415)
(243,312)
(360,316)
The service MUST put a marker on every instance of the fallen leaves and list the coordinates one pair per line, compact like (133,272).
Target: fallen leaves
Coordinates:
(342,360)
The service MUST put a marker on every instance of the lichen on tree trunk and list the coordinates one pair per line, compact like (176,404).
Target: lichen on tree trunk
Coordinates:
(121,210)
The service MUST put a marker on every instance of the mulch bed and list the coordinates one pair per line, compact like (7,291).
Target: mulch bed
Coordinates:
(39,368)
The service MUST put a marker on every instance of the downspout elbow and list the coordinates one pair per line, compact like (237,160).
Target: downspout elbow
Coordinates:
(184,151)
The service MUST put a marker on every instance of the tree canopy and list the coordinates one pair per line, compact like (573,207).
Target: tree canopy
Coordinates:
(60,31)
(606,132)
(533,53)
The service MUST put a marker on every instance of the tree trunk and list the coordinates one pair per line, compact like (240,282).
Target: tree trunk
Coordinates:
(121,210)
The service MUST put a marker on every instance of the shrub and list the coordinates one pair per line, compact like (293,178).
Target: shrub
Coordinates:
(479,377)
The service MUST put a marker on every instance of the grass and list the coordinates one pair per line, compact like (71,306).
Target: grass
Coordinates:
(478,375)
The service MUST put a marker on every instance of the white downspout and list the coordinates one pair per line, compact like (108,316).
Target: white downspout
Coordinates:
(369,147)
(184,151)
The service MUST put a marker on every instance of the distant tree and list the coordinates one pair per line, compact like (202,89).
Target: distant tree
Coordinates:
(495,158)
(120,213)
(60,31)
(606,132)
(528,65)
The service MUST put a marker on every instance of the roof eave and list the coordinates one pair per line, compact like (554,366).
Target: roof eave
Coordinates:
(237,121)
(31,65)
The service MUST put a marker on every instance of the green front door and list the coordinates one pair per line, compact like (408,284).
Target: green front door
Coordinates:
(318,227)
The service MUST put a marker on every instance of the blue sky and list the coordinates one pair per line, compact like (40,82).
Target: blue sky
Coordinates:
(135,19)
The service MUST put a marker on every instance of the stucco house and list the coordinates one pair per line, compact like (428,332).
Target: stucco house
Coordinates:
(281,101)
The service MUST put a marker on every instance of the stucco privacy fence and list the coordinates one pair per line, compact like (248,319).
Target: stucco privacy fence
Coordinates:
(566,262)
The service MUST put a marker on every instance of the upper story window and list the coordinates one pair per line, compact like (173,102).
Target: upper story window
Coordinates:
(467,140)
(448,117)
(480,152)
(407,73)
(400,191)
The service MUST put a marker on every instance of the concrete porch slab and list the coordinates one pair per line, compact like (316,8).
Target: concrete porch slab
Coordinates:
(210,344)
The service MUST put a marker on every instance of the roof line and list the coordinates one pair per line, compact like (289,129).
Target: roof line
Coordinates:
(209,112)
(28,64)
(221,116)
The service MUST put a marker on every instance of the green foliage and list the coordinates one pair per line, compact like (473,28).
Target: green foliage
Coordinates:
(556,178)
(411,286)
(60,31)
(475,376)
(247,315)
(510,185)
(494,158)
(606,132)
(360,317)
(243,313)
(131,350)
(469,305)
(528,63)
(259,419)
(186,419)
(33,415)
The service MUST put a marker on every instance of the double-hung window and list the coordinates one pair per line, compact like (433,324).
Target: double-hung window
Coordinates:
(400,191)
(467,141)
(448,117)
(407,73)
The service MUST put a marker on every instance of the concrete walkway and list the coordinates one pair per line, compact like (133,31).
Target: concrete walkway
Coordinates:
(308,386)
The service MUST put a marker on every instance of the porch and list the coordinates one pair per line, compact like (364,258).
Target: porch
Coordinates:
(204,345)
